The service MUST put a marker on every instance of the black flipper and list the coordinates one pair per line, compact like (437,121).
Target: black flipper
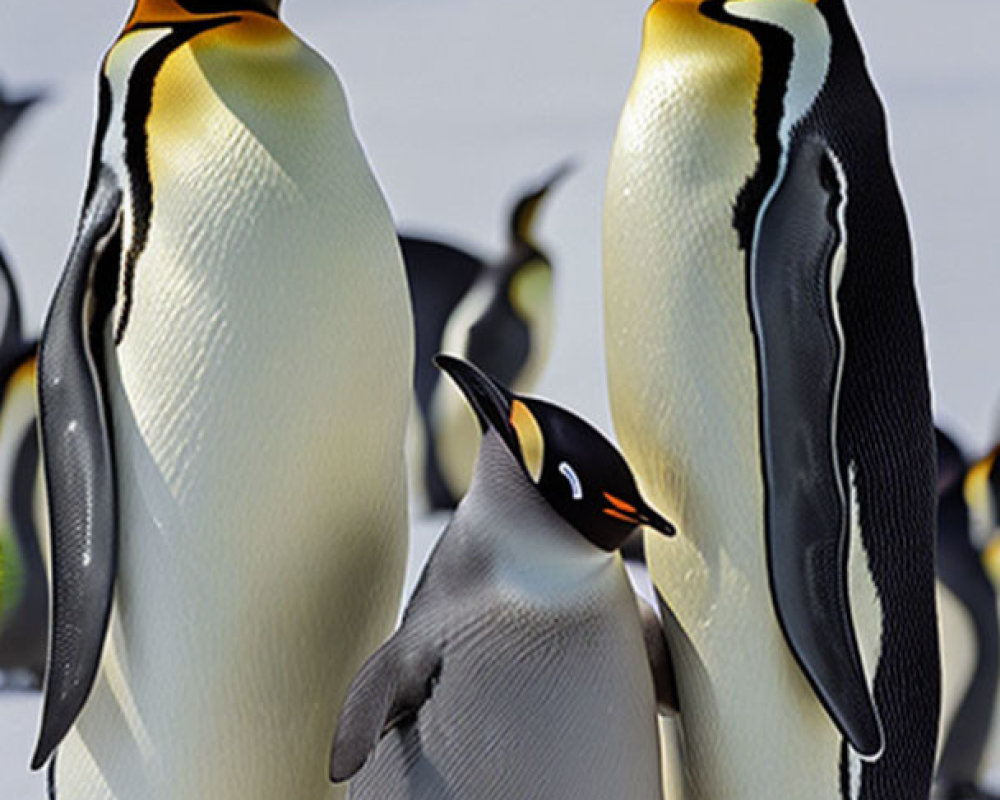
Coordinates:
(390,688)
(801,350)
(79,471)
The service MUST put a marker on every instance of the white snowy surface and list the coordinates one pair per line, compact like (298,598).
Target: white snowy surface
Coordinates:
(458,101)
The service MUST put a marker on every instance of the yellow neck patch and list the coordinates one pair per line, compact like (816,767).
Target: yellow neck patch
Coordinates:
(530,437)
(531,291)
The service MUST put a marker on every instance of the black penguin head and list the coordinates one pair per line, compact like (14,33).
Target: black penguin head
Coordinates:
(580,473)
(522,217)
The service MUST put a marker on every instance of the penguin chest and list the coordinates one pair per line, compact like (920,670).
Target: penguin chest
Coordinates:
(533,701)
(264,328)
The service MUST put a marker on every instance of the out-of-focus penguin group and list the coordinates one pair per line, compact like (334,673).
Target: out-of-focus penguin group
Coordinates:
(207,476)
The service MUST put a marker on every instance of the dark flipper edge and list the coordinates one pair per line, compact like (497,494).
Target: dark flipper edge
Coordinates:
(79,473)
(798,252)
(660,662)
(390,688)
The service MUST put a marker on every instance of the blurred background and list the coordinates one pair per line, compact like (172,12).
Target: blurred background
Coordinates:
(459,102)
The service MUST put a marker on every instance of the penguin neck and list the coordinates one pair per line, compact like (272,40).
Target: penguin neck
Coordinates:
(524,532)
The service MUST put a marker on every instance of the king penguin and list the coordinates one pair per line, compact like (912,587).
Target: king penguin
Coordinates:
(224,381)
(23,581)
(520,668)
(970,637)
(769,387)
(497,314)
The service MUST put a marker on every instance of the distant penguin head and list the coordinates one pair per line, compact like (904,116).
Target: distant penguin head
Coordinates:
(580,473)
(525,211)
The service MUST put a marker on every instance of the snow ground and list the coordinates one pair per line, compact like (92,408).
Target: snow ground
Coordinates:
(458,101)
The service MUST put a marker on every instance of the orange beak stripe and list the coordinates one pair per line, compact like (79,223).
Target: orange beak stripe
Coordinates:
(621,505)
(617,515)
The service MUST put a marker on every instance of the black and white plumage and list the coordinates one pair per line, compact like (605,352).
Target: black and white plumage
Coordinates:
(973,611)
(497,314)
(520,668)
(768,383)
(224,383)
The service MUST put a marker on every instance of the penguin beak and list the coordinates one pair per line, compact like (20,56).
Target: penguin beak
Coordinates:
(651,519)
(490,400)
(641,515)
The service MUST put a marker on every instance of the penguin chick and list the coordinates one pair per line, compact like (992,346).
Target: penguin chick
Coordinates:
(519,669)
(961,572)
(496,314)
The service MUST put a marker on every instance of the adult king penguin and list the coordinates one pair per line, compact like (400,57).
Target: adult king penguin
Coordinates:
(970,638)
(499,315)
(224,379)
(520,669)
(768,384)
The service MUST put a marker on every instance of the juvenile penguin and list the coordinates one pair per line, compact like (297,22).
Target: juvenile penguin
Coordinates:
(23,582)
(970,634)
(499,315)
(768,384)
(224,380)
(519,669)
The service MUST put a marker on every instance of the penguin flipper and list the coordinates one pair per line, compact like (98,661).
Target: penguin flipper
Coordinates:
(798,259)
(660,662)
(390,688)
(79,470)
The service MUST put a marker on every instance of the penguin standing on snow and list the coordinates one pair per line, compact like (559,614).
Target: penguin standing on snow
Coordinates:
(224,381)
(768,384)
(520,668)
(961,763)
(23,582)
(498,315)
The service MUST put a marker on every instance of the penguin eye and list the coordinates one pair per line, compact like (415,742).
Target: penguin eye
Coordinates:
(575,485)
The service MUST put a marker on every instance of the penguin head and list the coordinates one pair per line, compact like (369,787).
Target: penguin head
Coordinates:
(525,211)
(581,475)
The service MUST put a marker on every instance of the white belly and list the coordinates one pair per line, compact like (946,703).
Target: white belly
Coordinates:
(259,409)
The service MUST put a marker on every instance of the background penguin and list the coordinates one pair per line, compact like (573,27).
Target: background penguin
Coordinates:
(12,110)
(23,582)
(769,386)
(969,605)
(519,669)
(498,315)
(981,490)
(224,381)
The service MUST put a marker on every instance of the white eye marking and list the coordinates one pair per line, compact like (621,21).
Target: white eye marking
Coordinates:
(574,480)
